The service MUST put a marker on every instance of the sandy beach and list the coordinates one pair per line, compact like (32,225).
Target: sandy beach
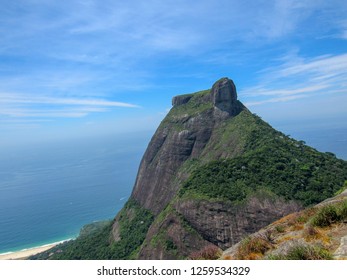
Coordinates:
(23,254)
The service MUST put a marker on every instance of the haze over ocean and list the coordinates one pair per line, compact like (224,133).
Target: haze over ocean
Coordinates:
(48,192)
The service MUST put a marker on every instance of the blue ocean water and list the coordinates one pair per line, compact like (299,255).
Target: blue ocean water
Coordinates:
(48,192)
(324,139)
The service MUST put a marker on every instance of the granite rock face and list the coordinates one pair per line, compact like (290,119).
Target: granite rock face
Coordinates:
(181,137)
(185,241)
(181,99)
(224,96)
(230,222)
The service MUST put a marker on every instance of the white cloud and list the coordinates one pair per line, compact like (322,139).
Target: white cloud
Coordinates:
(261,91)
(72,48)
(52,113)
(16,105)
(113,26)
(277,99)
(304,78)
(20,99)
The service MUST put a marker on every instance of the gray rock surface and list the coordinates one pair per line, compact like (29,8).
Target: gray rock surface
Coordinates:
(178,139)
(224,96)
(181,99)
(231,223)
(341,252)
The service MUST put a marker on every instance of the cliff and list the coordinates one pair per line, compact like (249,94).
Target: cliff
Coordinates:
(212,174)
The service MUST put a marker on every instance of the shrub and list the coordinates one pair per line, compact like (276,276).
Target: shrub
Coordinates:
(306,252)
(342,210)
(210,252)
(253,248)
(330,214)
(279,229)
(325,216)
(268,236)
(303,252)
(311,231)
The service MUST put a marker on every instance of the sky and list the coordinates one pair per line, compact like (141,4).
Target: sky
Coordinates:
(83,68)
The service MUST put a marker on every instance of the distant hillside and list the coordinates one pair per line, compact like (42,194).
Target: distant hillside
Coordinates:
(212,174)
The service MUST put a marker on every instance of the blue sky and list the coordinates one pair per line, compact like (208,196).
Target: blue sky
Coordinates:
(80,68)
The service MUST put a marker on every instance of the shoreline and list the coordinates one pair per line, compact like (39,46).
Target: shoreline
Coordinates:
(25,253)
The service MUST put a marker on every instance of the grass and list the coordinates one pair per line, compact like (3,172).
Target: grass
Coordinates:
(303,252)
(280,229)
(312,233)
(330,214)
(252,248)
(192,108)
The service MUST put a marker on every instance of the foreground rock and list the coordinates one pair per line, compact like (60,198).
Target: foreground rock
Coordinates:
(315,233)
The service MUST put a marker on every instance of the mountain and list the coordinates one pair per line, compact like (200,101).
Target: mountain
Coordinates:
(212,174)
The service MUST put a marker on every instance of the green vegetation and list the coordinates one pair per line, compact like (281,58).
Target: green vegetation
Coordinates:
(91,246)
(330,214)
(280,229)
(344,187)
(254,247)
(304,252)
(98,242)
(193,107)
(162,238)
(93,228)
(133,229)
(272,162)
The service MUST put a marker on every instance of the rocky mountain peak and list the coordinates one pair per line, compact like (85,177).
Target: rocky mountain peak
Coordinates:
(181,99)
(222,95)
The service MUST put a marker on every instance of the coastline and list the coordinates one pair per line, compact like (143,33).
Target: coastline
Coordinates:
(25,253)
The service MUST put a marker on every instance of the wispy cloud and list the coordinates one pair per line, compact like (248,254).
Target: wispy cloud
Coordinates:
(121,28)
(277,99)
(72,59)
(304,78)
(61,113)
(20,99)
(16,105)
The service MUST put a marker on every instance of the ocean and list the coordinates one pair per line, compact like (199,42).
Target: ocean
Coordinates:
(48,192)
(324,139)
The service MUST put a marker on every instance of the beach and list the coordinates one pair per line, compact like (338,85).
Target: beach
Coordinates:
(24,254)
